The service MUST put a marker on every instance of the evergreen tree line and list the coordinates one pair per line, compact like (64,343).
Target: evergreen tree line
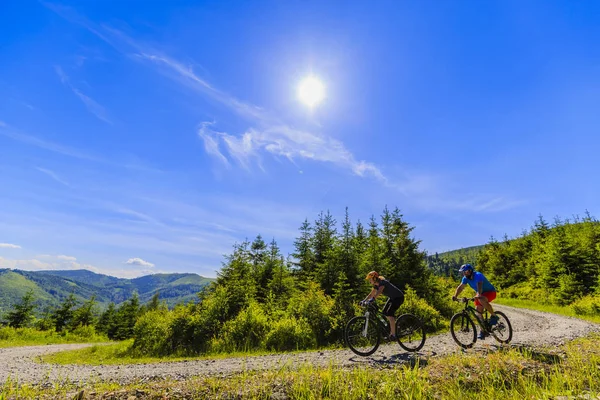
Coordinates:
(558,262)
(117,323)
(448,263)
(263,300)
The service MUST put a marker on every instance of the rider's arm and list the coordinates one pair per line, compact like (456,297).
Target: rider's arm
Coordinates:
(375,293)
(459,289)
(479,288)
(371,295)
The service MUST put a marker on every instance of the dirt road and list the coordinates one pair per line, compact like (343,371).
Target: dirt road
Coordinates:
(531,328)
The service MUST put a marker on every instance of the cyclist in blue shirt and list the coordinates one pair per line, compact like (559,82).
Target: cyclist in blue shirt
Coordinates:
(486,292)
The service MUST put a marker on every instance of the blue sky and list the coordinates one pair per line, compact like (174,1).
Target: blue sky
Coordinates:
(149,137)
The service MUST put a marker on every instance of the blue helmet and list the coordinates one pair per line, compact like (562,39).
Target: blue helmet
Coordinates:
(465,267)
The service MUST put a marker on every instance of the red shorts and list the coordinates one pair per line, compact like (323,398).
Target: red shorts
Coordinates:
(488,295)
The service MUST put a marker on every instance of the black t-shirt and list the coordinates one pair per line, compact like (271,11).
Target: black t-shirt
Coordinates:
(389,289)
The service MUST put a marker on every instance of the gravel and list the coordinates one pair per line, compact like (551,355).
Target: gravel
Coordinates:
(531,328)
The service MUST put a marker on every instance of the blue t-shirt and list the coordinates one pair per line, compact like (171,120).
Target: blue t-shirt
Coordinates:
(478,277)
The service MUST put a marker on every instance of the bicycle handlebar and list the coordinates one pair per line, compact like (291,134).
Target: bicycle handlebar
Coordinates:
(465,299)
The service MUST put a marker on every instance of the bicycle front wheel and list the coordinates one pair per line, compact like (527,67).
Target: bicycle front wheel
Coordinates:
(410,332)
(362,336)
(463,330)
(502,331)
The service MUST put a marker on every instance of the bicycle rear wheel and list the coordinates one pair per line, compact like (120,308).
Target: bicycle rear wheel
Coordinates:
(410,332)
(362,336)
(463,330)
(502,331)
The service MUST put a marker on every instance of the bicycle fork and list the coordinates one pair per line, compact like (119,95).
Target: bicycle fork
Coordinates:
(366,328)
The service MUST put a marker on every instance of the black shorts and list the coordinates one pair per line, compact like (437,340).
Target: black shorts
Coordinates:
(392,305)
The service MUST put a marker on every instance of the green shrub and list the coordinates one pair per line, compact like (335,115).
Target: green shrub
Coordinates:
(247,330)
(7,333)
(588,305)
(290,334)
(524,291)
(151,333)
(413,304)
(84,332)
(316,308)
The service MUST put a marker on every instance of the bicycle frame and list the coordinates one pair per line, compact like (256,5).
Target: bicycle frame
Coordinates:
(372,314)
(469,309)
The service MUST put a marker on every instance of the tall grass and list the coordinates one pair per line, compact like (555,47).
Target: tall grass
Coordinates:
(12,337)
(575,310)
(517,373)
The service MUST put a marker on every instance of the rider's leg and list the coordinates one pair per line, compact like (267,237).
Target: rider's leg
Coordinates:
(479,312)
(389,310)
(486,304)
(392,324)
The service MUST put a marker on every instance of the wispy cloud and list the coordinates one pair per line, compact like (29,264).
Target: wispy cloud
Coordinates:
(211,141)
(49,263)
(52,175)
(92,106)
(267,134)
(139,262)
(8,131)
(60,257)
(277,138)
(14,134)
(9,246)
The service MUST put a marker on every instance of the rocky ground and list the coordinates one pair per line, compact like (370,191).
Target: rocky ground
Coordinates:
(531,328)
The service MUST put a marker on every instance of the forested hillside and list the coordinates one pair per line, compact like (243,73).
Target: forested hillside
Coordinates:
(448,263)
(50,288)
(558,263)
(263,300)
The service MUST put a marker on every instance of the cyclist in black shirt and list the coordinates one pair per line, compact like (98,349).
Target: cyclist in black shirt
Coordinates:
(395,298)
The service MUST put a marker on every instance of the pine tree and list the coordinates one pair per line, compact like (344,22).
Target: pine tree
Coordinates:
(324,241)
(347,256)
(304,265)
(63,315)
(127,316)
(84,315)
(22,312)
(107,323)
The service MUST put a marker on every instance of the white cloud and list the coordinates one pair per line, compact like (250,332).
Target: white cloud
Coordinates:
(211,142)
(92,106)
(139,262)
(268,134)
(34,264)
(56,148)
(52,175)
(9,246)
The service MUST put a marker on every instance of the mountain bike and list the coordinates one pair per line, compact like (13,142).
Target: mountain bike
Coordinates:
(463,328)
(363,334)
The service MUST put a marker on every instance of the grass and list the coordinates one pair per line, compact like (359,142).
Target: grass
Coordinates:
(11,337)
(532,305)
(517,373)
(121,353)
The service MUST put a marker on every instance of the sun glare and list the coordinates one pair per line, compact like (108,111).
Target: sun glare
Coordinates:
(311,91)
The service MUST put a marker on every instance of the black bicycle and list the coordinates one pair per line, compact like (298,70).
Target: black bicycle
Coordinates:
(463,328)
(363,334)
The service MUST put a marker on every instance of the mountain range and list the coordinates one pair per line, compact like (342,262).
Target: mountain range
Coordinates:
(51,287)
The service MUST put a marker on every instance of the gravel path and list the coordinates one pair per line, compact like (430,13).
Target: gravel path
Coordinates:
(531,328)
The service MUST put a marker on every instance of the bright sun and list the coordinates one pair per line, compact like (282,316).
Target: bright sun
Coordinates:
(311,91)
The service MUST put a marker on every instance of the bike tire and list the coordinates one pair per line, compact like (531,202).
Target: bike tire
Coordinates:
(502,331)
(410,332)
(359,343)
(463,330)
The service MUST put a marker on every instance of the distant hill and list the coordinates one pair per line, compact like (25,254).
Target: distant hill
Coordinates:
(448,262)
(50,288)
